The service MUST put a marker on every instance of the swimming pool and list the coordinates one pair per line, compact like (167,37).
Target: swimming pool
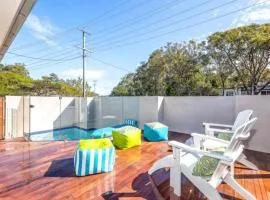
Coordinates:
(72,133)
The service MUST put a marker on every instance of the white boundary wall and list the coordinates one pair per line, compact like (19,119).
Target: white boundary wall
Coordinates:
(181,114)
(186,114)
(260,141)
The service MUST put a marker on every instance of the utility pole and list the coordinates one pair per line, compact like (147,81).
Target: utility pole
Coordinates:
(84,55)
(94,85)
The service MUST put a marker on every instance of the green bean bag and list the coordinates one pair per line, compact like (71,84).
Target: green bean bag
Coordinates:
(126,137)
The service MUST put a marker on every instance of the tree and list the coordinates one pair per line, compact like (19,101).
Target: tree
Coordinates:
(246,51)
(15,80)
(125,87)
(185,62)
(175,69)
(219,64)
(78,85)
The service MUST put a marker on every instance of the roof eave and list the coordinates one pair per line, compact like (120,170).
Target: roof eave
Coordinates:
(22,13)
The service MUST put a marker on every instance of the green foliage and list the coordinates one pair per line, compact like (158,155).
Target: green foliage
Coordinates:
(243,52)
(173,70)
(235,58)
(126,87)
(15,80)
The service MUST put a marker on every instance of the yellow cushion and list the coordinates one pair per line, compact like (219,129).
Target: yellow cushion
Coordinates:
(95,143)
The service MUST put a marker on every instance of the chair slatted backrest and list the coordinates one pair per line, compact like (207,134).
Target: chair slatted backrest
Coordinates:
(235,148)
(242,118)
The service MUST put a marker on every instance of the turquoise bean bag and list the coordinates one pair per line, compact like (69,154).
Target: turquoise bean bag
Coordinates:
(94,156)
(155,131)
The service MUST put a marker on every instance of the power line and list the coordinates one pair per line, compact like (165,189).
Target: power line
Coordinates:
(133,21)
(127,10)
(34,58)
(73,58)
(93,58)
(68,31)
(182,28)
(53,54)
(133,33)
(65,56)
(106,12)
(137,19)
(109,64)
(161,20)
(57,48)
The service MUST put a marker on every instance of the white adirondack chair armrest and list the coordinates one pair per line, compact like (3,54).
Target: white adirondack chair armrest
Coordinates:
(207,137)
(217,125)
(220,130)
(196,151)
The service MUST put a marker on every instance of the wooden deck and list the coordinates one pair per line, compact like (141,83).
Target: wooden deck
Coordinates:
(34,170)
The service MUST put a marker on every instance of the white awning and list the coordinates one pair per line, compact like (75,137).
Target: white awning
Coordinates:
(12,16)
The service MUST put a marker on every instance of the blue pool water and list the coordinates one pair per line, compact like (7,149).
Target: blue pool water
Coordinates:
(73,133)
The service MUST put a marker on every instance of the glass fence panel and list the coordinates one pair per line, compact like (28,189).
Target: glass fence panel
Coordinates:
(16,117)
(111,111)
(68,118)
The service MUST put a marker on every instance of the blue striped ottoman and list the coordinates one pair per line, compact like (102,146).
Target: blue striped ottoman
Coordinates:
(155,131)
(94,156)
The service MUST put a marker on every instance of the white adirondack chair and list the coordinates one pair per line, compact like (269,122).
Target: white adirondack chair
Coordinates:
(185,157)
(242,117)
(211,129)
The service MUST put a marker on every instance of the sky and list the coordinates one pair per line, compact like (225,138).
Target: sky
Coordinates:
(122,33)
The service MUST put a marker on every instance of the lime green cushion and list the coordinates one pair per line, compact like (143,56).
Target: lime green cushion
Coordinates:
(126,137)
(205,166)
(95,144)
(224,136)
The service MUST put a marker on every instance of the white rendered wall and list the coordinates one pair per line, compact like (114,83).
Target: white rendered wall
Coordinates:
(260,140)
(131,107)
(186,114)
(148,110)
(45,113)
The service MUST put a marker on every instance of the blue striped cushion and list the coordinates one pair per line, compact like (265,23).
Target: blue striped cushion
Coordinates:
(131,122)
(92,161)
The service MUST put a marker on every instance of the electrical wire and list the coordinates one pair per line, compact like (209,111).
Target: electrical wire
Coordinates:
(109,64)
(68,31)
(53,64)
(181,12)
(180,29)
(127,22)
(133,33)
(34,58)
